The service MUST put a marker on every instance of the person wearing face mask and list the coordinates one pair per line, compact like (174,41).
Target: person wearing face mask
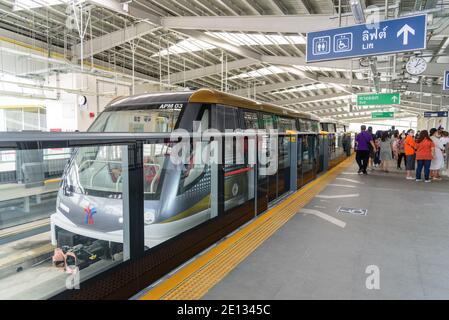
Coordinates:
(400,151)
(438,160)
(409,149)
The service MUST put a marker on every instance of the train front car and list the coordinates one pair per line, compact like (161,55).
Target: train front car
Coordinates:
(89,211)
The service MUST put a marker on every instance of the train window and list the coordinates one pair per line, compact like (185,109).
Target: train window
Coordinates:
(226,117)
(286,124)
(305,125)
(96,171)
(141,120)
(314,126)
(154,156)
(250,119)
(324,127)
(268,121)
(231,118)
(341,128)
(193,172)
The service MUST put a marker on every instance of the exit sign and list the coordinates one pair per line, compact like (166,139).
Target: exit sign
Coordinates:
(382,115)
(378,99)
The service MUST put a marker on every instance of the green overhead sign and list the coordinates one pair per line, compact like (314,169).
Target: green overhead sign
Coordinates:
(378,99)
(382,115)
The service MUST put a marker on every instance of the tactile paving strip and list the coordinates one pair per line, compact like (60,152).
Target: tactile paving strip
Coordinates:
(194,280)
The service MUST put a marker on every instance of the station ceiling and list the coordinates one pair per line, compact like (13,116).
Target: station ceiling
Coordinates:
(253,48)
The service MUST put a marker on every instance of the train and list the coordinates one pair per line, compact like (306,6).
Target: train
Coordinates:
(177,196)
(339,139)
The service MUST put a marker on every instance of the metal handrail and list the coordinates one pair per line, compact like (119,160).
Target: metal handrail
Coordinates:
(44,140)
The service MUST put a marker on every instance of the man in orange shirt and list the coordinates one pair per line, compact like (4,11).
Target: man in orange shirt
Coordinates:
(410,158)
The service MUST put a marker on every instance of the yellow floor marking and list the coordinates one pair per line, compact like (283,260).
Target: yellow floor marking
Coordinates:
(198,277)
(55,180)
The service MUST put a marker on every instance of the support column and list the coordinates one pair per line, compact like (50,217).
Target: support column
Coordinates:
(293,156)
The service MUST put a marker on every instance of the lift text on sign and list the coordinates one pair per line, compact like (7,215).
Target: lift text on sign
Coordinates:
(388,36)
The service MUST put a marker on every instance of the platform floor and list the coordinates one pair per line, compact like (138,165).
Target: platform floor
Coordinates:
(322,254)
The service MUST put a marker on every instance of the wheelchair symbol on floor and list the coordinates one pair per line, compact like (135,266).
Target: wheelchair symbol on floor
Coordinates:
(343,42)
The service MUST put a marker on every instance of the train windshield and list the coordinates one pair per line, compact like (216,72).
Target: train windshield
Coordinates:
(97,171)
(141,120)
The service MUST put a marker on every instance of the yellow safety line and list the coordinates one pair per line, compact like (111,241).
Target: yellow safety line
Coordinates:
(52,180)
(197,278)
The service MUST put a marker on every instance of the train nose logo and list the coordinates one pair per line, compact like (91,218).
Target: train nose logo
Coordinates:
(89,212)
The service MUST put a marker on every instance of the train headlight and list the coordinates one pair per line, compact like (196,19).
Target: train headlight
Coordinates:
(149,216)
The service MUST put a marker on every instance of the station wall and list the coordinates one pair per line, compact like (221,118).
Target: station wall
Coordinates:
(429,123)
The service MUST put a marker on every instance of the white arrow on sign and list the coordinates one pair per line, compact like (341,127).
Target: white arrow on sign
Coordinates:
(405,31)
(394,98)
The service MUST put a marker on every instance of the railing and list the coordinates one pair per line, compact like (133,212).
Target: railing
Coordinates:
(53,165)
(216,199)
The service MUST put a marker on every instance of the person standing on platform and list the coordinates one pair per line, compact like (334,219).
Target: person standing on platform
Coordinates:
(363,140)
(400,151)
(386,151)
(444,138)
(425,151)
(372,152)
(410,157)
(438,161)
(445,143)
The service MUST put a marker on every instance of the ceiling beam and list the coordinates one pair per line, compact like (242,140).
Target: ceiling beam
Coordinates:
(273,86)
(370,109)
(113,39)
(316,98)
(32,49)
(133,10)
(426,101)
(192,74)
(301,61)
(368,118)
(265,23)
(219,43)
(307,6)
(435,89)
(322,107)
(433,69)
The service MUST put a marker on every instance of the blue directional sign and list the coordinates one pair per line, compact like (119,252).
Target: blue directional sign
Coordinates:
(388,36)
(446,80)
(435,114)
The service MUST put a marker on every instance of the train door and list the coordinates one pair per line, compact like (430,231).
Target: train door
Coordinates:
(299,178)
(309,150)
(239,185)
(283,175)
(268,122)
(251,121)
(308,157)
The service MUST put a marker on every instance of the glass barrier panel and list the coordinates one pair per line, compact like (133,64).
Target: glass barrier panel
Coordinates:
(177,195)
(57,230)
(283,174)
(239,175)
